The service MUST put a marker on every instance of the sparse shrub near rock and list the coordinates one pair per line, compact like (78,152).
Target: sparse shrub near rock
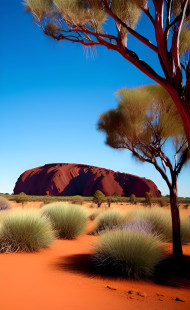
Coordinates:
(186,206)
(4,204)
(78,200)
(109,220)
(92,205)
(68,220)
(99,197)
(162,202)
(25,231)
(93,214)
(132,199)
(130,254)
(109,201)
(148,199)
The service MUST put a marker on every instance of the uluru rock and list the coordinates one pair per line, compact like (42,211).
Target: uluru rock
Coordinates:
(76,179)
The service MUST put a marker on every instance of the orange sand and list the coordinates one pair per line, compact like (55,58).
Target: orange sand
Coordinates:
(42,281)
(36,281)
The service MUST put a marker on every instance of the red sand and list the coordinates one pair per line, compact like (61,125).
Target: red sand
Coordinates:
(33,281)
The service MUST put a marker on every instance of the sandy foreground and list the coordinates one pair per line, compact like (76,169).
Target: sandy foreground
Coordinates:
(58,278)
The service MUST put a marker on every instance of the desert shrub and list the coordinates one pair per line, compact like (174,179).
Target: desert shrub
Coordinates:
(78,200)
(185,230)
(131,254)
(25,231)
(158,218)
(68,220)
(132,199)
(109,201)
(186,206)
(142,225)
(4,204)
(148,199)
(92,205)
(162,202)
(109,220)
(93,214)
(99,197)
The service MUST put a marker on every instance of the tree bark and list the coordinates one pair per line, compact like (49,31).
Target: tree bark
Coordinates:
(177,247)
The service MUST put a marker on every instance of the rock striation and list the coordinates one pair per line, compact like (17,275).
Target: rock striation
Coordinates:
(76,179)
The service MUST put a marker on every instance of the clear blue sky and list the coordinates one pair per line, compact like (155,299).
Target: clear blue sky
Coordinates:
(50,96)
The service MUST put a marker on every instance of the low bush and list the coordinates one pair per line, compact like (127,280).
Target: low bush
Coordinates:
(25,231)
(128,253)
(142,225)
(99,197)
(78,200)
(133,199)
(109,220)
(148,199)
(185,230)
(4,204)
(93,214)
(158,218)
(68,220)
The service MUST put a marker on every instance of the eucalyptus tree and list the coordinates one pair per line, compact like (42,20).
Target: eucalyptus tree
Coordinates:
(84,21)
(146,122)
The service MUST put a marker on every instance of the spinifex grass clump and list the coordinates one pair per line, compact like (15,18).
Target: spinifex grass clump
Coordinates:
(130,254)
(4,204)
(109,220)
(25,231)
(159,219)
(142,225)
(185,230)
(68,220)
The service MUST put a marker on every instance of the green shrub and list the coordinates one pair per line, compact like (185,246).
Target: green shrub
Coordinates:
(4,204)
(25,231)
(68,220)
(133,199)
(148,199)
(99,197)
(78,200)
(128,253)
(109,220)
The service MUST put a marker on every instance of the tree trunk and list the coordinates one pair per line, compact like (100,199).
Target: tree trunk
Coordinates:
(177,247)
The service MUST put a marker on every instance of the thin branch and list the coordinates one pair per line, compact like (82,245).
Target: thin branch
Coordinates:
(147,12)
(141,38)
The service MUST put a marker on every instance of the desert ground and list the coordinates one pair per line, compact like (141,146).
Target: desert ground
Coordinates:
(60,277)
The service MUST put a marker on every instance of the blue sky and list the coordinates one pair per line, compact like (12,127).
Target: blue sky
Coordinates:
(50,96)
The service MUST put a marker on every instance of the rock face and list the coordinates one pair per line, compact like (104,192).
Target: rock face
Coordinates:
(76,179)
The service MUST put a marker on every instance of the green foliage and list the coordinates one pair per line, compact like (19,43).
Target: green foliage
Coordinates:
(133,199)
(69,221)
(99,197)
(128,253)
(143,116)
(110,219)
(148,199)
(25,231)
(4,204)
(78,200)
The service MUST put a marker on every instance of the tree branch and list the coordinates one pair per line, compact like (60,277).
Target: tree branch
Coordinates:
(135,34)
